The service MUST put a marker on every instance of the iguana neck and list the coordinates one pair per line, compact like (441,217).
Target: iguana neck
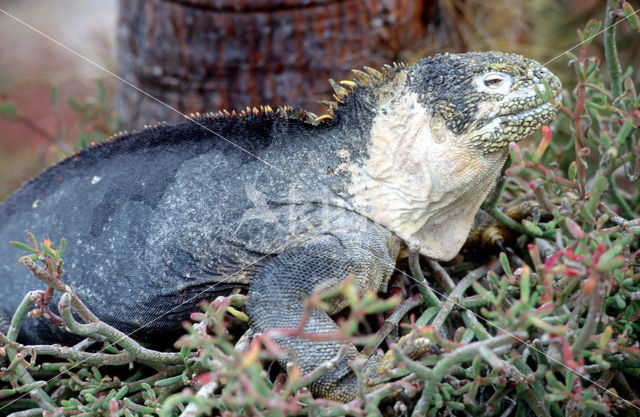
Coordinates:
(413,176)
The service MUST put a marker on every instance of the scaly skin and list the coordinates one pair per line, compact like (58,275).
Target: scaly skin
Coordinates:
(159,219)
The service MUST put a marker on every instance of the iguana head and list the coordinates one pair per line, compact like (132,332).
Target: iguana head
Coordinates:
(438,137)
(487,98)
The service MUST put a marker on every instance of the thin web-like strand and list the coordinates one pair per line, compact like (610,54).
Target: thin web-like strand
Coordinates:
(90,61)
(588,39)
(281,171)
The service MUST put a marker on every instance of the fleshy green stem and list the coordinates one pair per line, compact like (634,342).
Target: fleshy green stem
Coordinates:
(491,207)
(590,325)
(38,394)
(34,412)
(463,354)
(113,335)
(599,186)
(414,264)
(44,276)
(508,221)
(610,51)
(456,295)
(87,358)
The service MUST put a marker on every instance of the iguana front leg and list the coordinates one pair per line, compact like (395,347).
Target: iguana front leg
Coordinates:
(279,290)
(488,233)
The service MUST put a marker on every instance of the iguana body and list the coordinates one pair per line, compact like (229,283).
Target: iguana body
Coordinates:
(158,220)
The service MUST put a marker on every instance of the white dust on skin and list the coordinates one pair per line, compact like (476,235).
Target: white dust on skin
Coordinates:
(419,181)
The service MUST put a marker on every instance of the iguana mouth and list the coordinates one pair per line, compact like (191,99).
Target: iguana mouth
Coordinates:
(531,111)
(520,104)
(513,122)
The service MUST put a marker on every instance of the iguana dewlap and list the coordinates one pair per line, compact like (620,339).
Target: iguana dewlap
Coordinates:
(156,221)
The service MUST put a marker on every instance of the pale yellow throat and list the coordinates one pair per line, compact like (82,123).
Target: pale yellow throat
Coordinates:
(419,181)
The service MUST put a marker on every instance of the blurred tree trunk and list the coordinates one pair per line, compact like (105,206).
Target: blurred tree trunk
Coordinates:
(206,55)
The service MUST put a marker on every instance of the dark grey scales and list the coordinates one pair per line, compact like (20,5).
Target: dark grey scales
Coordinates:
(159,219)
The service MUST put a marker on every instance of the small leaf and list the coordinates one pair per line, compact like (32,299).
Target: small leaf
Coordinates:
(610,254)
(82,140)
(22,246)
(350,294)
(96,373)
(484,292)
(456,405)
(544,144)
(574,229)
(515,153)
(32,240)
(251,356)
(599,407)
(594,106)
(74,105)
(476,366)
(504,261)
(547,327)
(532,228)
(426,316)
(383,305)
(591,29)
(556,397)
(626,128)
(571,57)
(525,283)
(238,314)
(632,17)
(63,246)
(168,381)
(54,97)
(8,109)
(90,397)
(101,91)
(604,337)
(573,170)
(605,139)
(613,264)
(49,251)
(495,280)
(620,302)
(122,392)
(553,382)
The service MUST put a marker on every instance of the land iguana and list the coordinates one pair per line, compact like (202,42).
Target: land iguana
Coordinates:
(156,221)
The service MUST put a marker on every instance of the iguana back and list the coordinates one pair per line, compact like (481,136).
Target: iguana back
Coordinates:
(158,220)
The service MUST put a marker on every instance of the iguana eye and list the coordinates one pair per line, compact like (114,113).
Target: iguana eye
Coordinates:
(493,83)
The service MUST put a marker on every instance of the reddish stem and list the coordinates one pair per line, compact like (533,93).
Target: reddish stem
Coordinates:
(577,122)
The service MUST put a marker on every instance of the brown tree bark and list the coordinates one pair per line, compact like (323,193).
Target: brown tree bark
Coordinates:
(207,55)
